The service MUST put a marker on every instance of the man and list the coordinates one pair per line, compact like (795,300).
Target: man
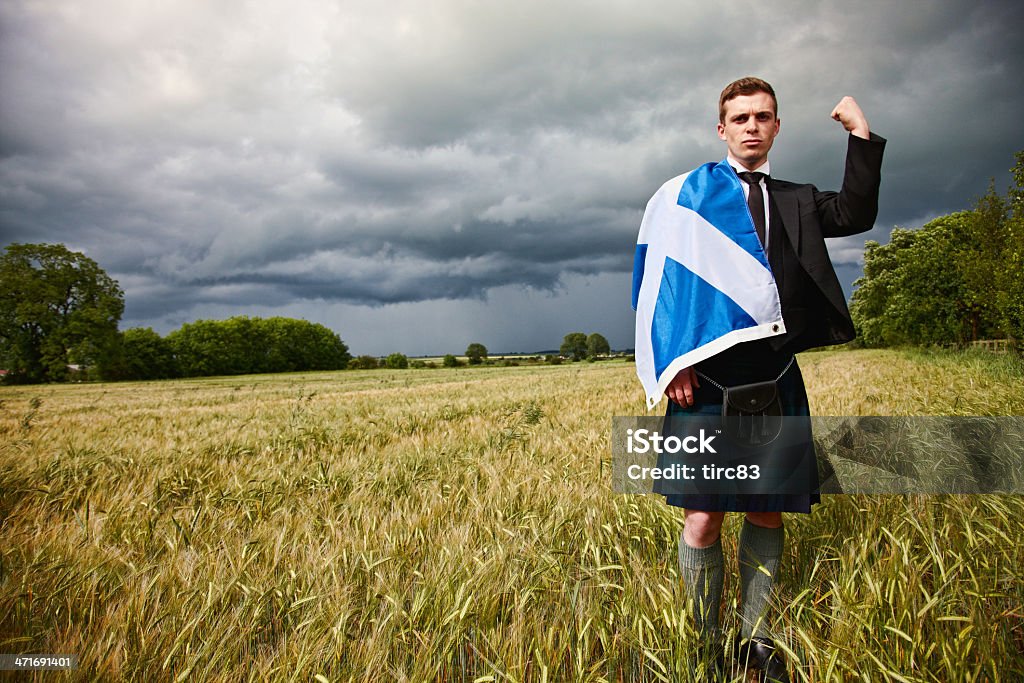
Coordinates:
(790,222)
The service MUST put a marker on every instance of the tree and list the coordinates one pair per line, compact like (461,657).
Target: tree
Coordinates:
(397,361)
(574,344)
(143,354)
(211,347)
(243,345)
(476,353)
(1010,300)
(899,300)
(450,361)
(870,298)
(597,345)
(290,345)
(363,362)
(978,259)
(57,307)
(958,278)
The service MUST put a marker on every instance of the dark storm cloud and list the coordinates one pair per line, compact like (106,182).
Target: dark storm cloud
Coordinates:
(294,155)
(462,70)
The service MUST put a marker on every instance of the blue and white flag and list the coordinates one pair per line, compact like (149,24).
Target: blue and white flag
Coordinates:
(701,280)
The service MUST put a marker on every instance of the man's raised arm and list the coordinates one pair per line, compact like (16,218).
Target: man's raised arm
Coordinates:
(854,209)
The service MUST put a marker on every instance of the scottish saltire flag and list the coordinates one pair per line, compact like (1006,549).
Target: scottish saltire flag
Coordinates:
(701,280)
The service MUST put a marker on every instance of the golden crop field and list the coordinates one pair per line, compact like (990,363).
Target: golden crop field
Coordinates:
(459,525)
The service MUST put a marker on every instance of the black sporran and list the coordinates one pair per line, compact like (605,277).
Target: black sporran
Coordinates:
(752,413)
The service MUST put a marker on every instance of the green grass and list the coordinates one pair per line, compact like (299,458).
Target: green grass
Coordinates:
(458,525)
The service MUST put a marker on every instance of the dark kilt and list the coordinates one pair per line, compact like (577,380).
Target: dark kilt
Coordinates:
(744,364)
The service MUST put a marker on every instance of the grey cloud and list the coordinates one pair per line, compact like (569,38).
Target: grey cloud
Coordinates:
(429,78)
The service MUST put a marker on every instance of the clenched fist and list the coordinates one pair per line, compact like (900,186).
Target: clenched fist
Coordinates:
(848,113)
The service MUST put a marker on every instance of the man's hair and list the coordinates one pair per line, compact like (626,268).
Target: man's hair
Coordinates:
(745,86)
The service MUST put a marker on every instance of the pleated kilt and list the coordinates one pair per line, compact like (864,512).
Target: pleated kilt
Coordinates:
(745,364)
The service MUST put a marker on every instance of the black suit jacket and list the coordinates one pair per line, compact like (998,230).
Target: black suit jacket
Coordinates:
(810,215)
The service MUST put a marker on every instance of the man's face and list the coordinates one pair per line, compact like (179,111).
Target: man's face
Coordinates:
(750,128)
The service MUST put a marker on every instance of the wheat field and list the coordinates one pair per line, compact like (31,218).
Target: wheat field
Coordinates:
(459,525)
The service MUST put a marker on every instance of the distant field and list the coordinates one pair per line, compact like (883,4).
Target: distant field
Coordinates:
(458,525)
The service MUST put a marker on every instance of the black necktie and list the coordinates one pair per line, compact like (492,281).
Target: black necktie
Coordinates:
(755,201)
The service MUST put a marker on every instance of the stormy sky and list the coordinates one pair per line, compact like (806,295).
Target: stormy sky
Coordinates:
(421,175)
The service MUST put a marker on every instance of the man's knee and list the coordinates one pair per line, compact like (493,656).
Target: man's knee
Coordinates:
(765,520)
(702,528)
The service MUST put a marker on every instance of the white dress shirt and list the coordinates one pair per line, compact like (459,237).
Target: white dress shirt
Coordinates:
(763,168)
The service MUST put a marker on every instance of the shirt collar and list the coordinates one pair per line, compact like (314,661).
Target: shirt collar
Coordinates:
(763,168)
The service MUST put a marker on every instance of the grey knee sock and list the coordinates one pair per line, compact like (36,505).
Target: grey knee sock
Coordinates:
(759,548)
(703,576)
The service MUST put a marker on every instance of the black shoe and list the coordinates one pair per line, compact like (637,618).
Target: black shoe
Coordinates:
(759,654)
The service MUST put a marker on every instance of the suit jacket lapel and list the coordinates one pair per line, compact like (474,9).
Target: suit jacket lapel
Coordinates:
(789,212)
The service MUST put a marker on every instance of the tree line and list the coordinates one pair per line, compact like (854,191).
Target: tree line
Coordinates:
(59,315)
(957,279)
(236,346)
